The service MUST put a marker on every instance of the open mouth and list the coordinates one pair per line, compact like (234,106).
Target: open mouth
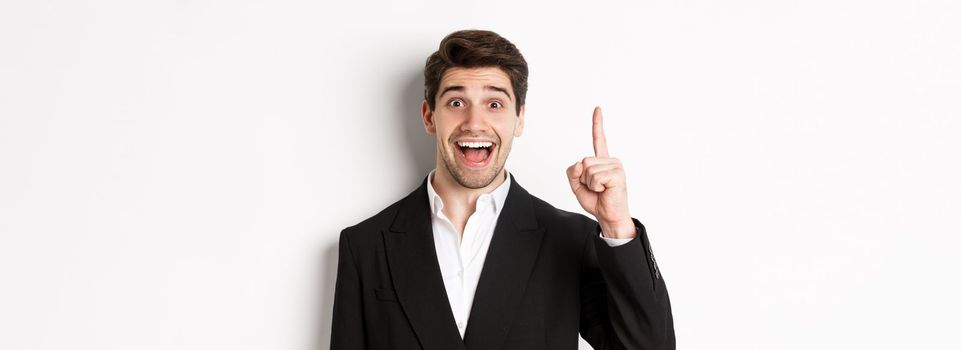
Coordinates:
(475,154)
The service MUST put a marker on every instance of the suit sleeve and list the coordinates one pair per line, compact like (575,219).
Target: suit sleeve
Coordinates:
(347,326)
(624,301)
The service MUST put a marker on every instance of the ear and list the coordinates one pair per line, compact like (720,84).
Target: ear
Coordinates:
(428,118)
(519,123)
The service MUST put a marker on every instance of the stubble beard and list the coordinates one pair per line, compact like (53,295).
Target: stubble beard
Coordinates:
(471,179)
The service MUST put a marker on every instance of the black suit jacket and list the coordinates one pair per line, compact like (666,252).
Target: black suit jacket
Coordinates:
(547,277)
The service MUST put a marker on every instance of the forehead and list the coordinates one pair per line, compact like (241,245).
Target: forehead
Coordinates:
(475,78)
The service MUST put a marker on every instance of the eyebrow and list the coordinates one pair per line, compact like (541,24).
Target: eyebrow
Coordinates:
(460,88)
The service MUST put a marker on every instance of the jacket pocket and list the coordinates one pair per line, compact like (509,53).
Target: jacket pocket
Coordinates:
(385,294)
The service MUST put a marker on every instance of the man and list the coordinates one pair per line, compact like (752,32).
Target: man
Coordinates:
(471,260)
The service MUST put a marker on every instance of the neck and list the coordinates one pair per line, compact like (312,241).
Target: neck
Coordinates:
(460,202)
(458,197)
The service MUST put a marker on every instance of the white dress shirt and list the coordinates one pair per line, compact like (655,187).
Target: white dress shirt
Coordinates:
(462,259)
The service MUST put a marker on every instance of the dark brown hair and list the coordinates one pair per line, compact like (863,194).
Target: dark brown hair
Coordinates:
(472,49)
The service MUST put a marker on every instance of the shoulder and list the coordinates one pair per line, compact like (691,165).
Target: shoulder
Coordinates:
(380,220)
(369,230)
(558,221)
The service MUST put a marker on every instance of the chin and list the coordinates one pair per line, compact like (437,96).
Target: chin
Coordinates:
(473,178)
(476,182)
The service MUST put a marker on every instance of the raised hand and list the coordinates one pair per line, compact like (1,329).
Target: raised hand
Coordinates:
(600,186)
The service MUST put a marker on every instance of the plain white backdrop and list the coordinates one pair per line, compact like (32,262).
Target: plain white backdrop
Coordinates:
(175,174)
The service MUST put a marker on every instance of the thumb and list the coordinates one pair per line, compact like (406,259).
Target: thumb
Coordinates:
(574,175)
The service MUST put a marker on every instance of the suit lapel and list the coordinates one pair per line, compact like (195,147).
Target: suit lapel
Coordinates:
(507,269)
(416,275)
(417,279)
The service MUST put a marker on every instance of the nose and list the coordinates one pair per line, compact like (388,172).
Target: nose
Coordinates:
(475,120)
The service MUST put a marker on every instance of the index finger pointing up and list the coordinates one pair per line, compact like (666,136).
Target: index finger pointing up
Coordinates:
(600,141)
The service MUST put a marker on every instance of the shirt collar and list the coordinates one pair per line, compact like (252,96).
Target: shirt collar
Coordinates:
(496,198)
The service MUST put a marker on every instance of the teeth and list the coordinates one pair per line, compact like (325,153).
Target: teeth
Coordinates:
(478,144)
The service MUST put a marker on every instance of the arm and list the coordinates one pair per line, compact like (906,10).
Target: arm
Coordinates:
(347,326)
(624,301)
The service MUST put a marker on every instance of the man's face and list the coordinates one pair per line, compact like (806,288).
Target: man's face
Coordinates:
(475,121)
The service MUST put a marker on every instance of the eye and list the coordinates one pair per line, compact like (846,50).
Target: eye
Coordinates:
(495,105)
(456,103)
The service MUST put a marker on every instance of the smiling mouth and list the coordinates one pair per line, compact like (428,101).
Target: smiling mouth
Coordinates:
(475,154)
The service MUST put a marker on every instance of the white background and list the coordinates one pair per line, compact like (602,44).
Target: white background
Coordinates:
(175,174)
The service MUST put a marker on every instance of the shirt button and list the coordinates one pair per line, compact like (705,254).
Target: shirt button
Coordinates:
(460,324)
(460,273)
